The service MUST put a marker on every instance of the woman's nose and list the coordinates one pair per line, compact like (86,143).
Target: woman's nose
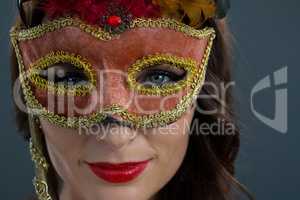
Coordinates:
(117,137)
(115,133)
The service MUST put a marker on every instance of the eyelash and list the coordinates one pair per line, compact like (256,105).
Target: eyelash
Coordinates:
(148,77)
(74,77)
(171,77)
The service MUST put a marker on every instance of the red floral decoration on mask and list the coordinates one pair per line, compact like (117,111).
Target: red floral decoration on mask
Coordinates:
(93,11)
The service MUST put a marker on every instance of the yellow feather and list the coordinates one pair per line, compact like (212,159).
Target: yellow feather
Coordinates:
(197,10)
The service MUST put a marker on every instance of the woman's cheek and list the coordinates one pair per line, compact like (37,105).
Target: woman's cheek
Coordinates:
(171,144)
(64,147)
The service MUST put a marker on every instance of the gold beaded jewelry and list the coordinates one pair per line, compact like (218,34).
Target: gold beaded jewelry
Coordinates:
(41,165)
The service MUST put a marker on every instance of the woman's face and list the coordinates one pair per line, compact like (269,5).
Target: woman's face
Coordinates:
(72,155)
(119,162)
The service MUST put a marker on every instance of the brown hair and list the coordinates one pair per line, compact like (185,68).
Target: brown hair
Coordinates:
(207,171)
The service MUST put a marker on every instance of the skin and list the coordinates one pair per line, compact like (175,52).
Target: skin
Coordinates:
(166,147)
(69,151)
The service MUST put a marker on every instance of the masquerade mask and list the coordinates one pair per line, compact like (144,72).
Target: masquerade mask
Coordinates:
(132,62)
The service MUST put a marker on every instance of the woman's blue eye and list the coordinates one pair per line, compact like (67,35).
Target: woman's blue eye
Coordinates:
(70,78)
(159,77)
(65,74)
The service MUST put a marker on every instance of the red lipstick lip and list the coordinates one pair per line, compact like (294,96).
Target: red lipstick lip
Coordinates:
(118,173)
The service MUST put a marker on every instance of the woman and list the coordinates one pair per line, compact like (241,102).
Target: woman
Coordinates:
(116,99)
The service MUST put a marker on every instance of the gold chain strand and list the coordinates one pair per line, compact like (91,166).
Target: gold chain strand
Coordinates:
(37,157)
(41,189)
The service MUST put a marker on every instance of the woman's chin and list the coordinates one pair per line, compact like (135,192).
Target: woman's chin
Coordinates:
(121,192)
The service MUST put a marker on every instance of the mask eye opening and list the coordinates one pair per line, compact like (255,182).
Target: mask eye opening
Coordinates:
(54,58)
(188,64)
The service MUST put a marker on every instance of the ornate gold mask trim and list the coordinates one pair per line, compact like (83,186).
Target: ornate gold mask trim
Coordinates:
(149,121)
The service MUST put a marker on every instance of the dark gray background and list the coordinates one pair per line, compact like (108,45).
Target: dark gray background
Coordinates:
(266,39)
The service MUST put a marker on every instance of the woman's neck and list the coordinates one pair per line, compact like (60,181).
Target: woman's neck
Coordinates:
(69,193)
(66,192)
